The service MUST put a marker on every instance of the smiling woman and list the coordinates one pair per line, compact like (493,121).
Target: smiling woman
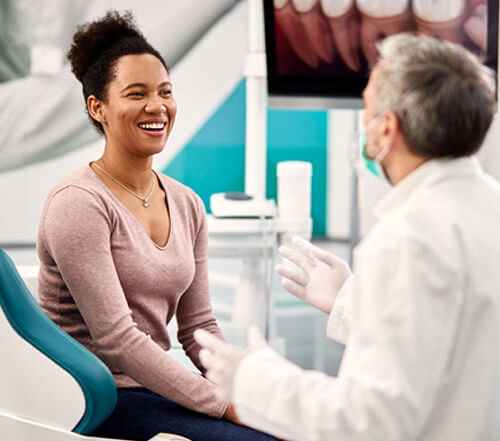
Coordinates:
(123,249)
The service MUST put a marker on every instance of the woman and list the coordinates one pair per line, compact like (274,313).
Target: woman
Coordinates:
(124,249)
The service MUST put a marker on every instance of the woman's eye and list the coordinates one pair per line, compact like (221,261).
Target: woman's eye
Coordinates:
(135,94)
(166,92)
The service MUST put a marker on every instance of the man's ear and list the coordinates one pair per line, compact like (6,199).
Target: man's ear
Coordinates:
(391,128)
(95,107)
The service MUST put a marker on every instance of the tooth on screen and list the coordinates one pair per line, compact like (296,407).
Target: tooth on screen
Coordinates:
(438,10)
(382,8)
(316,29)
(278,4)
(304,5)
(335,8)
(291,24)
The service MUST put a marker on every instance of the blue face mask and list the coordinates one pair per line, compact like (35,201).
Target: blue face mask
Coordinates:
(374,166)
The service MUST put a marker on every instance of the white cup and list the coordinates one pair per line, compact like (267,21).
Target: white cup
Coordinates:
(294,189)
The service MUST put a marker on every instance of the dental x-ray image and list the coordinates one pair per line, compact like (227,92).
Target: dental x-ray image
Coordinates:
(336,39)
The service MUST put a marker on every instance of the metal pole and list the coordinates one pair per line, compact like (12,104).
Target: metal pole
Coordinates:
(256,103)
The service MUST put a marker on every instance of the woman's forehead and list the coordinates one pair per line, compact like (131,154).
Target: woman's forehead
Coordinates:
(139,68)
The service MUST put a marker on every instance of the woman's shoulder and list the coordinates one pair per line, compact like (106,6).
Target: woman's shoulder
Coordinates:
(76,199)
(83,178)
(80,188)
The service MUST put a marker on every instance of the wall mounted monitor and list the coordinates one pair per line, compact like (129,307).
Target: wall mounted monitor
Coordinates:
(318,52)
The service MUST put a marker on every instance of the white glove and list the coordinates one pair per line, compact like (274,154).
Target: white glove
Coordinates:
(321,278)
(221,360)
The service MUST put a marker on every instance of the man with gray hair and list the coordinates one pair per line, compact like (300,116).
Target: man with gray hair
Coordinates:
(421,317)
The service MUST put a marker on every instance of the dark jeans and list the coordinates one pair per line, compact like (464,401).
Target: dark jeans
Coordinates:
(140,414)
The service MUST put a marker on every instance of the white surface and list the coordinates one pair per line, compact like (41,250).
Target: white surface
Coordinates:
(33,386)
(13,428)
(24,192)
(294,169)
(46,60)
(29,274)
(221,206)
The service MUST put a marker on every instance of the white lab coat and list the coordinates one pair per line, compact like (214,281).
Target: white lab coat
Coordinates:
(422,358)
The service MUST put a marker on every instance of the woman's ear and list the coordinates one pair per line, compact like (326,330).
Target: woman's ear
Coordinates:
(95,107)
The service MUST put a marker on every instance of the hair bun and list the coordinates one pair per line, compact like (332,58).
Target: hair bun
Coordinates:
(91,39)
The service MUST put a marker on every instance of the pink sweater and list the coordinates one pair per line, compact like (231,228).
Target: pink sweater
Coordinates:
(107,284)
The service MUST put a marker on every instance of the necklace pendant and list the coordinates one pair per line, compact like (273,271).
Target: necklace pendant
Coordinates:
(146,204)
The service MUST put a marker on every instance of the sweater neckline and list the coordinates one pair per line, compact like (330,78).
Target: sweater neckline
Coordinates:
(126,210)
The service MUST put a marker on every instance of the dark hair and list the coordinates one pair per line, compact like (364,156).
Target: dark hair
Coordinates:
(98,45)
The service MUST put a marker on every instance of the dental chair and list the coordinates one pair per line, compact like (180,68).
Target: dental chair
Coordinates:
(51,387)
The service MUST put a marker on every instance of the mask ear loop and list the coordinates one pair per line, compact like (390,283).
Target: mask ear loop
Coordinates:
(382,154)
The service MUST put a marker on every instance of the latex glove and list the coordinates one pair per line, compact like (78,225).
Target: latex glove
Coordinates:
(221,359)
(321,278)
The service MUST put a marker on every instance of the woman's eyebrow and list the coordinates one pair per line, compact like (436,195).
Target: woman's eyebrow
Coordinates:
(130,86)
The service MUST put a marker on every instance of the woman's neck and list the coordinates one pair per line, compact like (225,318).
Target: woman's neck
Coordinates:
(134,172)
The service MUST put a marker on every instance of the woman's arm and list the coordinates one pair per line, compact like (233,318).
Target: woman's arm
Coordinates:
(77,230)
(194,310)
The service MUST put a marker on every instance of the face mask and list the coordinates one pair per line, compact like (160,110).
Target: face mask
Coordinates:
(374,166)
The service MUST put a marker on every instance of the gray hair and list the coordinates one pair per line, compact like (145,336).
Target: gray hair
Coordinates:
(442,95)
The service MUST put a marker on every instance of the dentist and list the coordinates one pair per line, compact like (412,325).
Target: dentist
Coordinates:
(421,317)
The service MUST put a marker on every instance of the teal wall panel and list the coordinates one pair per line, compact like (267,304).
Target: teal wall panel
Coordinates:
(300,136)
(214,159)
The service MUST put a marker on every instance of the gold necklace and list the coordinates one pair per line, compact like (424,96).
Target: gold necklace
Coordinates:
(144,200)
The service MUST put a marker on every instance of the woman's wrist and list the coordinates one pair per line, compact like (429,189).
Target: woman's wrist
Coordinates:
(230,415)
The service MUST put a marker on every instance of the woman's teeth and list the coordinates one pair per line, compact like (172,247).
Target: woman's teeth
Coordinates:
(152,126)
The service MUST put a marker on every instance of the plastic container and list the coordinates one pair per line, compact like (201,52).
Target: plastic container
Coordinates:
(294,189)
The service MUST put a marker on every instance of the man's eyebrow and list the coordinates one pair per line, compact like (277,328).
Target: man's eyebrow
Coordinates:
(130,86)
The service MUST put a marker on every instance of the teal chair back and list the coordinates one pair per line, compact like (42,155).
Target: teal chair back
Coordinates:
(46,375)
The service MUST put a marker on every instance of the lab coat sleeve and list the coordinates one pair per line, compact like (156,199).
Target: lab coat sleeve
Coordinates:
(341,314)
(406,308)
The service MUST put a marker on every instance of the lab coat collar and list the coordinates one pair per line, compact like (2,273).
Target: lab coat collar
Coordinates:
(424,175)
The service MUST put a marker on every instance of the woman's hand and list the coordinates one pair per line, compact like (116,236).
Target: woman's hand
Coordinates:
(230,415)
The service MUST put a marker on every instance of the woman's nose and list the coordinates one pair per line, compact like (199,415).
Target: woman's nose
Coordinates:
(155,106)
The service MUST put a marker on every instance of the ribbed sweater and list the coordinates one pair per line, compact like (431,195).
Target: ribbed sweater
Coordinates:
(105,282)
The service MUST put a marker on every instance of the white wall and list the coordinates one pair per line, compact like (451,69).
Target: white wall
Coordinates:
(23,193)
